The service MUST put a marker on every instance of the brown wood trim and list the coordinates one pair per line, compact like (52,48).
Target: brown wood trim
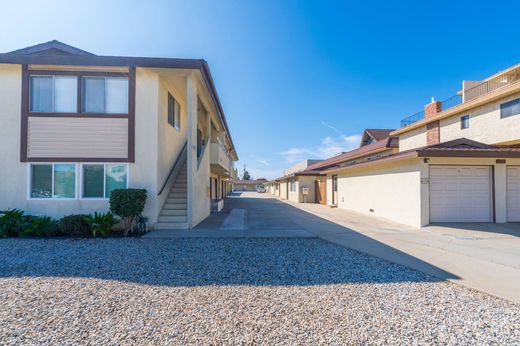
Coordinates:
(77,115)
(131,114)
(77,73)
(477,154)
(24,111)
(75,159)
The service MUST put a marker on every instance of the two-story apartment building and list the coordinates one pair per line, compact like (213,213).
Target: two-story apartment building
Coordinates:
(75,126)
(458,160)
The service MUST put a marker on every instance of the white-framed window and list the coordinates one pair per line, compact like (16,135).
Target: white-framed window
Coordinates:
(105,95)
(52,180)
(98,180)
(174,112)
(53,94)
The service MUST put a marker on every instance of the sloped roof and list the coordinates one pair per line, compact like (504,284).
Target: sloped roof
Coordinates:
(51,48)
(58,53)
(387,143)
(461,147)
(379,134)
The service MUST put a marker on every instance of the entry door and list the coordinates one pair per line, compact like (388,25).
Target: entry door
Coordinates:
(321,192)
(334,190)
(513,194)
(460,194)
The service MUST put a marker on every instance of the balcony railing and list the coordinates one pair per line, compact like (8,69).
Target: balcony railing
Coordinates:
(494,83)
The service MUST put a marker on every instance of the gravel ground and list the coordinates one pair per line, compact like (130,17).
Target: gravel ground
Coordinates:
(232,291)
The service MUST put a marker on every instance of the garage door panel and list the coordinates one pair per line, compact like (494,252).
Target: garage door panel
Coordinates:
(460,194)
(513,194)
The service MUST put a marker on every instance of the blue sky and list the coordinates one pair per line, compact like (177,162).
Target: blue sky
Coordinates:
(297,79)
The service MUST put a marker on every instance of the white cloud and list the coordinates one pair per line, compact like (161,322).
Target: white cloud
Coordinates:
(263,161)
(329,146)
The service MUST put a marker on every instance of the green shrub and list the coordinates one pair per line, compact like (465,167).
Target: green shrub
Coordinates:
(11,222)
(128,204)
(75,225)
(102,223)
(39,226)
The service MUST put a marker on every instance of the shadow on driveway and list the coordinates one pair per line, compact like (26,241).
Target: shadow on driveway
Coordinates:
(214,261)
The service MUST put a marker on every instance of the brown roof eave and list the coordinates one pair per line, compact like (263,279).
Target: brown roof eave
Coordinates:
(469,153)
(390,158)
(97,60)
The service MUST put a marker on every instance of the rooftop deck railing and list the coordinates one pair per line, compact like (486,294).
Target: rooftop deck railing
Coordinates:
(494,83)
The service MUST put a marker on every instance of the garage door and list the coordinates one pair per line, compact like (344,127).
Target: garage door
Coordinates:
(460,194)
(513,194)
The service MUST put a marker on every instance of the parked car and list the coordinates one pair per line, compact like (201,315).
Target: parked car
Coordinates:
(260,189)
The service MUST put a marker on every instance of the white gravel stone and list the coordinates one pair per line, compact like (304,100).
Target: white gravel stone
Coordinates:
(232,291)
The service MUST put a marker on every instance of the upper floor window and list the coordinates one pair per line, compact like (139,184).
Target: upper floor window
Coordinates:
(464,122)
(174,112)
(510,108)
(107,95)
(53,94)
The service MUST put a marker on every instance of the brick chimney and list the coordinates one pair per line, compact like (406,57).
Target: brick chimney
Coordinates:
(433,129)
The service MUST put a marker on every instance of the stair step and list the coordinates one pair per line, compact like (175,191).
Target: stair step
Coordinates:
(171,225)
(176,200)
(176,206)
(174,212)
(182,195)
(179,191)
(175,219)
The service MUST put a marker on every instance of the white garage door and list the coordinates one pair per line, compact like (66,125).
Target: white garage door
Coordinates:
(460,194)
(513,194)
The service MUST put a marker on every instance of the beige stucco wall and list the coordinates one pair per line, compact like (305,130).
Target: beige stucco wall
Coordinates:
(413,139)
(308,182)
(485,124)
(388,191)
(170,139)
(13,173)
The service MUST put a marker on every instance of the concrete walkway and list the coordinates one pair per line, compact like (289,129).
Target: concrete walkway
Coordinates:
(485,257)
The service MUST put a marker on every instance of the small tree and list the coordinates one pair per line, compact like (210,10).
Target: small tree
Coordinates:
(128,204)
(246,176)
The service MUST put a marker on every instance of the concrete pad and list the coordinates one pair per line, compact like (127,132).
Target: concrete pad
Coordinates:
(236,220)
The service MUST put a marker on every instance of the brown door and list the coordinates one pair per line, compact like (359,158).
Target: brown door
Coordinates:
(321,192)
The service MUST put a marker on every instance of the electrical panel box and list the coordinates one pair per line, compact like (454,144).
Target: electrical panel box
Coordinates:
(305,190)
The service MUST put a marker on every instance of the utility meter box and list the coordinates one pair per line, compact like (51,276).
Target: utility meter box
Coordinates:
(305,190)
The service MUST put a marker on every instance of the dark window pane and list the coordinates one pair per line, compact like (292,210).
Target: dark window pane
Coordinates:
(41,181)
(171,110)
(93,179)
(64,181)
(116,178)
(510,108)
(41,94)
(93,95)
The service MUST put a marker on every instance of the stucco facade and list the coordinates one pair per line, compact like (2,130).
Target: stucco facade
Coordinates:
(156,143)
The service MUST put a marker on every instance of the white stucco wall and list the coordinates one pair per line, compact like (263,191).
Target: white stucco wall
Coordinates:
(485,124)
(389,191)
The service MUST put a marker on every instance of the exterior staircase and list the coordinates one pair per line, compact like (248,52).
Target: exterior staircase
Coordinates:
(174,213)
